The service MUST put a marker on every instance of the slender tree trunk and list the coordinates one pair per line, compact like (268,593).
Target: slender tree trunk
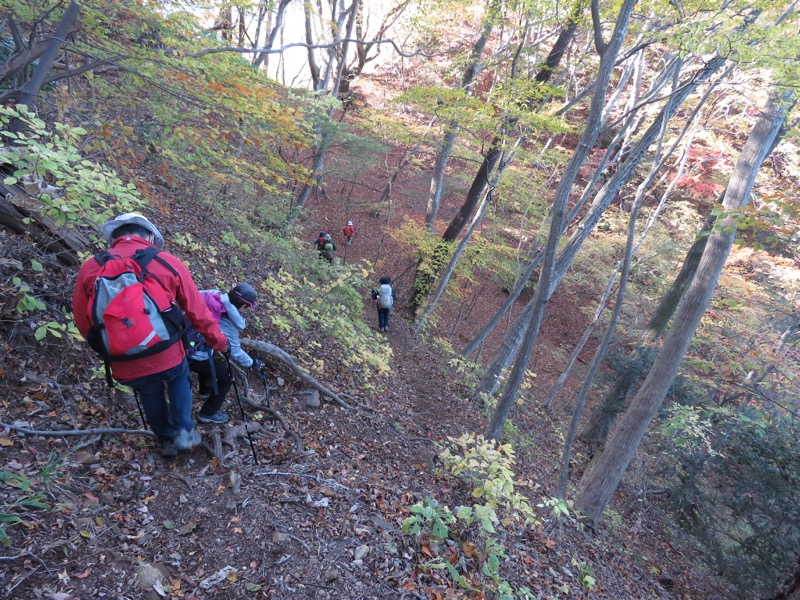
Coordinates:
(263,57)
(600,353)
(30,90)
(600,204)
(495,152)
(520,285)
(601,306)
(313,68)
(453,261)
(604,477)
(492,166)
(473,69)
(670,300)
(351,12)
(585,144)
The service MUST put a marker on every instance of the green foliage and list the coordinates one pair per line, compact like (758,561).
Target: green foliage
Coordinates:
(585,575)
(27,303)
(48,164)
(559,508)
(334,309)
(23,496)
(690,428)
(487,468)
(734,489)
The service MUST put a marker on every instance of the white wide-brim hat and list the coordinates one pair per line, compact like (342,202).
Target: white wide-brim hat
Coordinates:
(132,218)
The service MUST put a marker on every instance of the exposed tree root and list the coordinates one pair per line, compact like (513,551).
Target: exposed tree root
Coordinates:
(286,360)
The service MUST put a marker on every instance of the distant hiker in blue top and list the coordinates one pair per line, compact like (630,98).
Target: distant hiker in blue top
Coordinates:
(227,308)
(384,299)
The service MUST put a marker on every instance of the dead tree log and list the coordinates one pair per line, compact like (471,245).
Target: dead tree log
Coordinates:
(286,360)
(23,214)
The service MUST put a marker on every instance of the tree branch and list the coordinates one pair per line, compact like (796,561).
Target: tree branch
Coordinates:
(241,50)
(96,431)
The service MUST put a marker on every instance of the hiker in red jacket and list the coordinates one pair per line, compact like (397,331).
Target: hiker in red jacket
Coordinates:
(171,421)
(349,232)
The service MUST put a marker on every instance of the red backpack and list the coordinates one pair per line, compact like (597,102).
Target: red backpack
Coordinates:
(131,315)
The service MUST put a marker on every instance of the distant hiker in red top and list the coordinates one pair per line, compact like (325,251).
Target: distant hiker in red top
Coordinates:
(349,232)
(171,421)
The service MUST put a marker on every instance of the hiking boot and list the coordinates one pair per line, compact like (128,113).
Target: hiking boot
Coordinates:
(168,449)
(203,395)
(186,440)
(217,417)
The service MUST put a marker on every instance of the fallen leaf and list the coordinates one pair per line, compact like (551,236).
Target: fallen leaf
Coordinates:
(4,441)
(84,574)
(187,529)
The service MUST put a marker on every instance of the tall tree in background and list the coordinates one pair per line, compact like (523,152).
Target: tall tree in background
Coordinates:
(497,155)
(608,52)
(606,473)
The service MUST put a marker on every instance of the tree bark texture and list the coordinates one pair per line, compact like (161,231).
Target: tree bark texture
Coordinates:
(495,152)
(30,90)
(471,72)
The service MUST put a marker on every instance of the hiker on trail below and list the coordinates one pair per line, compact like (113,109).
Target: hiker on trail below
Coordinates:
(171,421)
(384,299)
(349,232)
(325,246)
(228,307)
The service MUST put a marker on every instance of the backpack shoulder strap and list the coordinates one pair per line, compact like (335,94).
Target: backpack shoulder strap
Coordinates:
(103,257)
(143,258)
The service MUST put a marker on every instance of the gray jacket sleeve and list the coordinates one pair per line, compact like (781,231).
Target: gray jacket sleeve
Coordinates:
(231,332)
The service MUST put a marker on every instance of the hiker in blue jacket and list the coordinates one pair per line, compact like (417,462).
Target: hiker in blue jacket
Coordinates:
(228,308)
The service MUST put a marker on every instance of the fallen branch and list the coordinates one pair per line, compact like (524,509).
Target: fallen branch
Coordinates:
(285,358)
(306,475)
(98,431)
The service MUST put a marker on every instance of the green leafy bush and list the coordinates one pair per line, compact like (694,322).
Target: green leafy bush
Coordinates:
(487,468)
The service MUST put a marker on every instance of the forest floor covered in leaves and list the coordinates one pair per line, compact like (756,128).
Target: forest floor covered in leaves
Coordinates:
(322,524)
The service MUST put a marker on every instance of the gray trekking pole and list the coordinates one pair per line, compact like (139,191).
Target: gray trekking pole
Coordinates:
(241,408)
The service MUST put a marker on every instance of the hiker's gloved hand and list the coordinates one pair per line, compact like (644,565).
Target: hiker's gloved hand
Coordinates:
(257,365)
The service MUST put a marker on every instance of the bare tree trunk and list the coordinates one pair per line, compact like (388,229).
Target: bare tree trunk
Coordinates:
(30,90)
(445,279)
(520,285)
(600,204)
(313,68)
(263,57)
(493,156)
(600,353)
(585,144)
(351,13)
(603,479)
(471,72)
(493,164)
